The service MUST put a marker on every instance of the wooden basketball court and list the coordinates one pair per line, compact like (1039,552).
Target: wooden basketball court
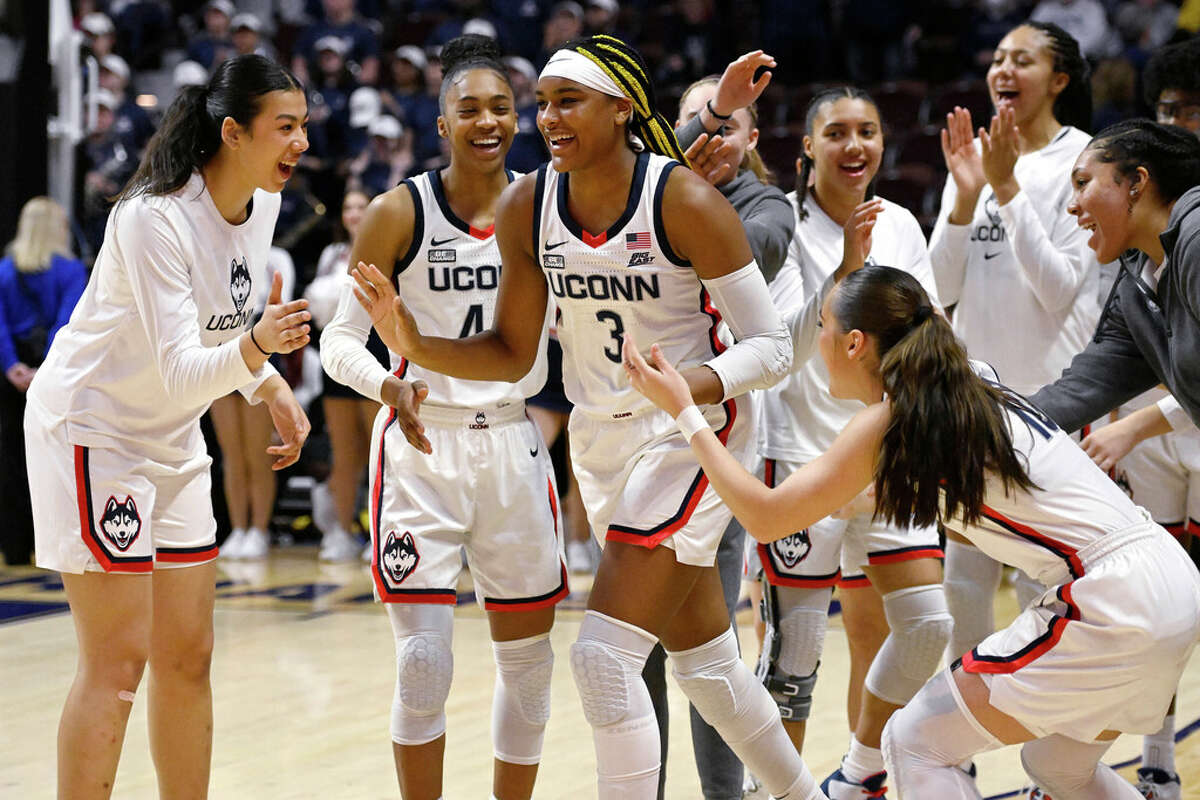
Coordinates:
(303,677)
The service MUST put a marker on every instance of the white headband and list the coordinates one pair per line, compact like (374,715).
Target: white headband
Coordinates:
(579,68)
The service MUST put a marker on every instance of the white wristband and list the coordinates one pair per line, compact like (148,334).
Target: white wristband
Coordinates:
(690,420)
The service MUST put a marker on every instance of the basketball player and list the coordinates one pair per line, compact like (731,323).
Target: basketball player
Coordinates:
(1097,653)
(888,577)
(626,241)
(481,477)
(118,470)
(1008,256)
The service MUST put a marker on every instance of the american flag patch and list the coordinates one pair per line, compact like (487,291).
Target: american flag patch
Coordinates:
(637,241)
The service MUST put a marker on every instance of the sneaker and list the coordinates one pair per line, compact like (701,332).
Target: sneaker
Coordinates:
(838,787)
(337,545)
(579,558)
(1158,784)
(234,544)
(257,544)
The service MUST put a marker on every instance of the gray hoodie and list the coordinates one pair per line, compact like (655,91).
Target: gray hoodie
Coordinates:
(1145,337)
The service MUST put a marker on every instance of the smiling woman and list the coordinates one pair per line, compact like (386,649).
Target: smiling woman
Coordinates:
(113,422)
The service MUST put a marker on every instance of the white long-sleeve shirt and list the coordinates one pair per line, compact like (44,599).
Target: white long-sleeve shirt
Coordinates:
(153,340)
(1025,282)
(801,418)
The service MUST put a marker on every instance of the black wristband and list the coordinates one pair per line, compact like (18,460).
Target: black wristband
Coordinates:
(256,344)
(715,115)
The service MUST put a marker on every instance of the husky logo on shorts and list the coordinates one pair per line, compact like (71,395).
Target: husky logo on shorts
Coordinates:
(480,422)
(400,556)
(239,283)
(793,549)
(121,522)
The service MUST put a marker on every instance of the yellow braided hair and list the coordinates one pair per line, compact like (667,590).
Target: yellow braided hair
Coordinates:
(627,69)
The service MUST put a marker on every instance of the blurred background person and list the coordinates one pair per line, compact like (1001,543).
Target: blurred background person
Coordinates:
(40,282)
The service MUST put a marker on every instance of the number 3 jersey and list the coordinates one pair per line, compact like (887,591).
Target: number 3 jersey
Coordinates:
(449,279)
(625,280)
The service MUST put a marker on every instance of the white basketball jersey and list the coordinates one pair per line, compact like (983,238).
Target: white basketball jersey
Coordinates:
(449,279)
(1074,504)
(622,280)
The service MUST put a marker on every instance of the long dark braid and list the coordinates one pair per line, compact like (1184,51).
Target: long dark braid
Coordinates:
(810,115)
(625,66)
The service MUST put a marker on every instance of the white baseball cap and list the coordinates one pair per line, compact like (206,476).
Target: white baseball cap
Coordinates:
(247,21)
(386,126)
(479,27)
(365,105)
(104,97)
(330,43)
(116,65)
(413,55)
(97,24)
(189,73)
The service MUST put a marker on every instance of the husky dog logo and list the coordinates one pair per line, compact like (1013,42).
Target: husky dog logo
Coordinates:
(121,522)
(400,556)
(794,549)
(239,283)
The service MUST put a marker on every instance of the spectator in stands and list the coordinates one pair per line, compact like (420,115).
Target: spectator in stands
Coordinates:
(106,164)
(213,45)
(246,32)
(600,16)
(360,42)
(1172,85)
(100,33)
(991,20)
(189,73)
(334,84)
(466,18)
(875,39)
(387,160)
(528,148)
(1146,24)
(691,35)
(1085,20)
(422,115)
(409,101)
(564,23)
(131,122)
(520,25)
(1114,92)
(366,104)
(145,28)
(40,282)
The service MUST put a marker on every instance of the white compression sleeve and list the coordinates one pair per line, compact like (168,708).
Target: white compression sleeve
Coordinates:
(344,354)
(762,355)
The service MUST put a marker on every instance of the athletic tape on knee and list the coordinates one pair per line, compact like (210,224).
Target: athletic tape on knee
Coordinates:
(731,700)
(424,667)
(606,662)
(925,741)
(921,627)
(521,705)
(970,585)
(1069,769)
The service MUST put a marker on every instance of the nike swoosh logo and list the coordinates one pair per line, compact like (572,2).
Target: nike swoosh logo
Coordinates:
(557,244)
(435,243)
(989,256)
(534,451)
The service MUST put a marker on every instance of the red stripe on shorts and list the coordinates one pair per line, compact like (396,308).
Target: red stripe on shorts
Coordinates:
(87,524)
(997,665)
(186,555)
(904,554)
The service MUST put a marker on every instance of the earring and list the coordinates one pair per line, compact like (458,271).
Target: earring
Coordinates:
(1132,198)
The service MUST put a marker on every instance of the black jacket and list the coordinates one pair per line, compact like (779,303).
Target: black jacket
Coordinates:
(1145,337)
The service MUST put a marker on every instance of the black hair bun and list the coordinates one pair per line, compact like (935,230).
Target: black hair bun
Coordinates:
(468,48)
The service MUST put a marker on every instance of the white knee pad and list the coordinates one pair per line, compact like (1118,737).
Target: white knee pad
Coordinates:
(970,584)
(607,661)
(796,623)
(731,700)
(521,705)
(924,742)
(1071,770)
(921,627)
(424,667)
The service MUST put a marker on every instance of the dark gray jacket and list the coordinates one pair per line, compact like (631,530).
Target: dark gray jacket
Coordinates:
(766,214)
(1145,337)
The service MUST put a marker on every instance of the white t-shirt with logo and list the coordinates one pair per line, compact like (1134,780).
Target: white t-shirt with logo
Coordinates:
(153,340)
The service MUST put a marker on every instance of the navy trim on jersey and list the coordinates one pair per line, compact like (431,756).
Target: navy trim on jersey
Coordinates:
(539,191)
(660,231)
(418,232)
(631,205)
(439,194)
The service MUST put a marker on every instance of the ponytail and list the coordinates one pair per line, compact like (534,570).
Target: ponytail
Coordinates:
(948,432)
(628,70)
(190,133)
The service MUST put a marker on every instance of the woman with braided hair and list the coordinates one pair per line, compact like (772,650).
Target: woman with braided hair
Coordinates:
(628,243)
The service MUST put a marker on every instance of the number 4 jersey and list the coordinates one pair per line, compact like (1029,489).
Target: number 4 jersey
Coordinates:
(449,279)
(622,280)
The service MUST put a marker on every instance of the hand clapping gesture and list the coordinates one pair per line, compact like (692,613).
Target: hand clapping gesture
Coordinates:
(963,163)
(1001,149)
(284,326)
(391,318)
